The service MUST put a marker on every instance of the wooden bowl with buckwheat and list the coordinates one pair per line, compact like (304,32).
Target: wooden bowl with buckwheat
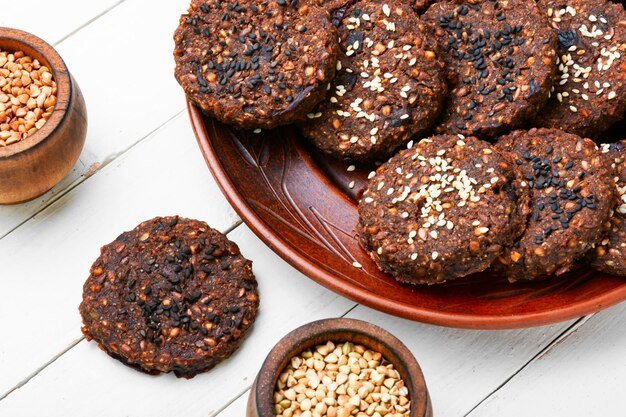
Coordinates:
(43,118)
(266,389)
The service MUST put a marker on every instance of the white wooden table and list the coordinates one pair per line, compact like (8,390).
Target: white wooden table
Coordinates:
(140,143)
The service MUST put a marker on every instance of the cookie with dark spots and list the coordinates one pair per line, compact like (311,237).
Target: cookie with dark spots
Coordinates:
(389,84)
(609,255)
(500,63)
(572,194)
(441,210)
(172,295)
(589,92)
(255,64)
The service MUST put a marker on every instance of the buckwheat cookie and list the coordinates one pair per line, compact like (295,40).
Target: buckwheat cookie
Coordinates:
(610,254)
(172,295)
(589,92)
(255,64)
(499,56)
(389,84)
(442,209)
(571,192)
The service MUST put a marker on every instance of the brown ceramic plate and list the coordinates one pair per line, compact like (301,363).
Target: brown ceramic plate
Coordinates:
(301,206)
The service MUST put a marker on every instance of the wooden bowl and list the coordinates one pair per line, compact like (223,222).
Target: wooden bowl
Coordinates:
(32,166)
(260,401)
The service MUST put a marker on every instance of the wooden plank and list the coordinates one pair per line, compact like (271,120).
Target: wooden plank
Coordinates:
(582,375)
(97,383)
(13,216)
(123,63)
(45,262)
(464,366)
(237,408)
(125,68)
(52,20)
(461,366)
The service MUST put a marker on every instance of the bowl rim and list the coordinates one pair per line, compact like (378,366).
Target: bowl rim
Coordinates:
(48,56)
(304,337)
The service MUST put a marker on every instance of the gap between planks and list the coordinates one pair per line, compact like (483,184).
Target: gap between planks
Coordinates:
(75,343)
(84,177)
(41,368)
(87,23)
(565,334)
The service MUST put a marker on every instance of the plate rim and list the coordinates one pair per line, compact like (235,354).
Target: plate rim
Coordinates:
(362,295)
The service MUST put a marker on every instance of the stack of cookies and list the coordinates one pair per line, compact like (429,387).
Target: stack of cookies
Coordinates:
(502,102)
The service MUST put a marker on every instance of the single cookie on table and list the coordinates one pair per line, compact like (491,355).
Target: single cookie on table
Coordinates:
(589,92)
(441,210)
(172,295)
(610,254)
(500,63)
(255,64)
(389,84)
(571,193)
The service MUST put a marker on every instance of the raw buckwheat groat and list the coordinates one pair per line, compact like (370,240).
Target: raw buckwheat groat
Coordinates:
(28,94)
(610,254)
(255,64)
(389,84)
(589,92)
(500,63)
(571,192)
(441,210)
(172,295)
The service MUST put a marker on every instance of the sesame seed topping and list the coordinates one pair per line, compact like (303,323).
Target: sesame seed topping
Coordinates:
(386,10)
